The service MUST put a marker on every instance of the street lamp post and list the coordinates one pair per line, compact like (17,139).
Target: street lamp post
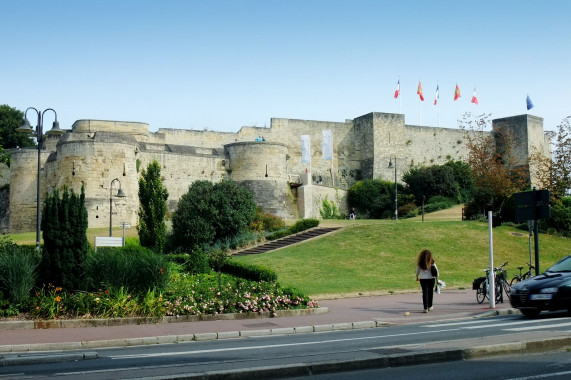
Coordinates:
(396,201)
(39,134)
(120,194)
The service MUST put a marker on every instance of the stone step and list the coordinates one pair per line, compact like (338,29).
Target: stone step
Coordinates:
(285,241)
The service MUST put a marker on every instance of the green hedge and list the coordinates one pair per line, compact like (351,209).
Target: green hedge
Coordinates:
(249,272)
(299,226)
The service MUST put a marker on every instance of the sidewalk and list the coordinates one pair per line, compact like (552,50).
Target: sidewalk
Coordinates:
(337,314)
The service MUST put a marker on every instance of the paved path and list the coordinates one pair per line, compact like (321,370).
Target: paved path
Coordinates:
(389,309)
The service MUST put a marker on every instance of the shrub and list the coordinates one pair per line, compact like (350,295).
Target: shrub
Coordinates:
(408,210)
(302,225)
(135,268)
(210,212)
(17,270)
(266,222)
(249,272)
(329,210)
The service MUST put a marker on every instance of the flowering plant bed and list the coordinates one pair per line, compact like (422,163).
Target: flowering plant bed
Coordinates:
(186,295)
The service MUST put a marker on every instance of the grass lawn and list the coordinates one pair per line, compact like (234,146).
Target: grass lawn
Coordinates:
(379,256)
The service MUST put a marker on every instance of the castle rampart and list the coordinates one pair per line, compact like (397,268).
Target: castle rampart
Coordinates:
(93,153)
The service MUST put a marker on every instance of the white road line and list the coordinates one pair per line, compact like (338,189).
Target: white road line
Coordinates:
(512,323)
(542,376)
(137,356)
(455,323)
(539,327)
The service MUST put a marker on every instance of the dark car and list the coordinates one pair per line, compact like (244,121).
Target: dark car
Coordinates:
(548,291)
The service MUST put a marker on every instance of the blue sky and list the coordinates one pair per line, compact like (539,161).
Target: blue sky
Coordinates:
(225,64)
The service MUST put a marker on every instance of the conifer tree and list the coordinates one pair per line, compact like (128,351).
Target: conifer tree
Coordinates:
(64,227)
(153,208)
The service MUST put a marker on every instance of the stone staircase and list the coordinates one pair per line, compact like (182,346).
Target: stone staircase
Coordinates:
(285,241)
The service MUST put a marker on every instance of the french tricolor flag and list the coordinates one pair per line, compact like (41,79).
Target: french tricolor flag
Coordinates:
(397,92)
(437,96)
(474,98)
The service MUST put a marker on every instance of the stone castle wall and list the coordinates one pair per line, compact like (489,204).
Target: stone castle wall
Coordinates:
(95,152)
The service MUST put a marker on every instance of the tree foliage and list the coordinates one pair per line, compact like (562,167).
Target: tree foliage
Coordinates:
(10,119)
(426,182)
(373,197)
(495,171)
(210,212)
(152,208)
(64,227)
(554,173)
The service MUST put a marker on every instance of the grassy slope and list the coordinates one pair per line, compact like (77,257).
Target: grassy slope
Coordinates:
(376,257)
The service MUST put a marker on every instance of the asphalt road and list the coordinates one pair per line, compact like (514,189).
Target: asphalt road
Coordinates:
(545,365)
(265,357)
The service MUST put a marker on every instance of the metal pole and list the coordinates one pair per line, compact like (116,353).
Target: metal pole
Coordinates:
(396,200)
(491,288)
(39,131)
(111,209)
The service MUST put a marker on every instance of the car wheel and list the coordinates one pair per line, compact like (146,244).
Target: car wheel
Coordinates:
(530,313)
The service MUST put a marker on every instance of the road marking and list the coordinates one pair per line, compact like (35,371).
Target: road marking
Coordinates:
(454,324)
(540,327)
(543,376)
(511,323)
(138,356)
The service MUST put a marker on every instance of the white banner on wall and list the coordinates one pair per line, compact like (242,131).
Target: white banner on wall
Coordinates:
(327,144)
(305,149)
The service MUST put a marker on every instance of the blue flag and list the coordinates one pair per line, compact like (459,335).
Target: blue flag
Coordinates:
(529,103)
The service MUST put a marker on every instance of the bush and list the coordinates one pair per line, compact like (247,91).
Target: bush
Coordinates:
(249,272)
(408,210)
(194,262)
(302,225)
(330,210)
(135,268)
(17,270)
(266,222)
(210,212)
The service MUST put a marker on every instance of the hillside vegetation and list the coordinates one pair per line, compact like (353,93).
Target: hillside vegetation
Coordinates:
(379,256)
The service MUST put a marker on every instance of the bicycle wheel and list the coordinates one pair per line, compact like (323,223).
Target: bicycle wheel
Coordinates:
(507,288)
(481,292)
(514,281)
(498,292)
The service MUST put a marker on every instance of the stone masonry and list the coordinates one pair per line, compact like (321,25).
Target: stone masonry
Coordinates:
(95,152)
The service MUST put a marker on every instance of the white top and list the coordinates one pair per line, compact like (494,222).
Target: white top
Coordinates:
(424,274)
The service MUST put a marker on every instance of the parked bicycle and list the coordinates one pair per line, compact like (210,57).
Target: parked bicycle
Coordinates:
(522,276)
(481,285)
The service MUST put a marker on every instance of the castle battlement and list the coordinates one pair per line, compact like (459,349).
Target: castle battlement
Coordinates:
(95,152)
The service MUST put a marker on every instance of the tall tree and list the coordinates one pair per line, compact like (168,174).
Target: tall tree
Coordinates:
(554,173)
(64,227)
(492,158)
(153,208)
(10,119)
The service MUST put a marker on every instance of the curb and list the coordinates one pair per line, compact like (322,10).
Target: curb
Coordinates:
(68,323)
(381,361)
(39,347)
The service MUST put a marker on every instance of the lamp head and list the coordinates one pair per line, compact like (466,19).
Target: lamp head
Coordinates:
(120,194)
(25,127)
(55,131)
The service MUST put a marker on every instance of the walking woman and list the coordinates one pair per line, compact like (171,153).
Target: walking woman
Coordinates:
(427,274)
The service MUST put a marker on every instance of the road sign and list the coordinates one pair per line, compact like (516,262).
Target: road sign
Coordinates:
(532,205)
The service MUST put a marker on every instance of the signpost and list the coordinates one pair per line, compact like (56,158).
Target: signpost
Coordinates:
(533,205)
(124,225)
